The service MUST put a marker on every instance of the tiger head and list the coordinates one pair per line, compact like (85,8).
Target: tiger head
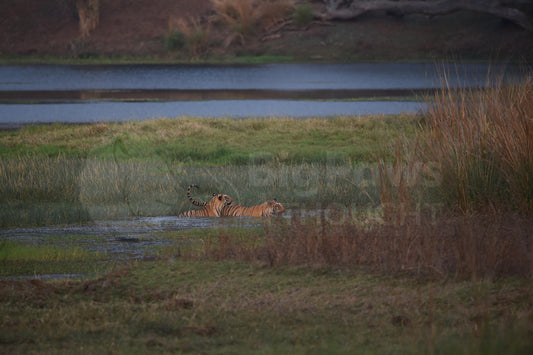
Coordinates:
(275,207)
(215,205)
(217,199)
(220,200)
(212,208)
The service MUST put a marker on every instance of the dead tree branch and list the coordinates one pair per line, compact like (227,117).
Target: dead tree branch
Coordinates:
(506,9)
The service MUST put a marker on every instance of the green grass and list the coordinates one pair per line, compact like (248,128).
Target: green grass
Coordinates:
(215,142)
(19,259)
(177,305)
(260,59)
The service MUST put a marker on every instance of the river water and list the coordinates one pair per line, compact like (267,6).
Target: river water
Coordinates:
(133,238)
(91,93)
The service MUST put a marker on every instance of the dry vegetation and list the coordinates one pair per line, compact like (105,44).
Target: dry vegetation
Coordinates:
(473,247)
(246,18)
(481,143)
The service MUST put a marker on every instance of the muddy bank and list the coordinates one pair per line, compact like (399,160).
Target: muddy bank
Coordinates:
(46,96)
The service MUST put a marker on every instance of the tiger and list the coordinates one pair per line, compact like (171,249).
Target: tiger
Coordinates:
(209,209)
(267,209)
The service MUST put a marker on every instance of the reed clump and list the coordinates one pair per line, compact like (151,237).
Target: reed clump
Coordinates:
(480,142)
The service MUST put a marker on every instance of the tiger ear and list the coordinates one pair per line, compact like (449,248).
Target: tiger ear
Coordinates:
(276,199)
(220,197)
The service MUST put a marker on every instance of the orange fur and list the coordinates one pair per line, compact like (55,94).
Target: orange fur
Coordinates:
(209,209)
(267,209)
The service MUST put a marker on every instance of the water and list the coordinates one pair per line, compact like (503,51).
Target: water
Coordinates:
(139,238)
(70,93)
(120,240)
(11,115)
(273,76)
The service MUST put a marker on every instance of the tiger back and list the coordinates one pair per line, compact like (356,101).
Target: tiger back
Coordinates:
(267,209)
(212,208)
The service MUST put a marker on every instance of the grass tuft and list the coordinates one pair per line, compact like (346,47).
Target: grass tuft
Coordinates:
(481,143)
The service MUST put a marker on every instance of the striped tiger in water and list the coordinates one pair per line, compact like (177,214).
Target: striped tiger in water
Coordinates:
(209,209)
(267,209)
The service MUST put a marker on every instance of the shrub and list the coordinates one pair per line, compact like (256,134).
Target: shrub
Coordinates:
(197,35)
(174,41)
(246,18)
(303,14)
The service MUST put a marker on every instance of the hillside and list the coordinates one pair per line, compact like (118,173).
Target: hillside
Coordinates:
(140,28)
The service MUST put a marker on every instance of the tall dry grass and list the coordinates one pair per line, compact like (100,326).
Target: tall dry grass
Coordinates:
(481,143)
(400,183)
(474,247)
(195,32)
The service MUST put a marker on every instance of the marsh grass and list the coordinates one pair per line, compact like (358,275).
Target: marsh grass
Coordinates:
(14,251)
(428,246)
(481,143)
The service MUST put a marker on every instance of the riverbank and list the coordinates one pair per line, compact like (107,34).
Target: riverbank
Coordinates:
(146,32)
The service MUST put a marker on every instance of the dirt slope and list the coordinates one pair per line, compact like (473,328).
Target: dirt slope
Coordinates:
(126,26)
(137,28)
